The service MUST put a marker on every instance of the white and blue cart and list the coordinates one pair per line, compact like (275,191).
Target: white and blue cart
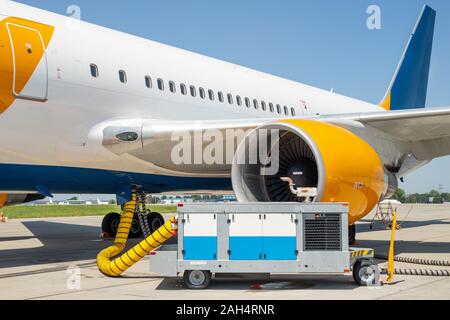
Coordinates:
(264,238)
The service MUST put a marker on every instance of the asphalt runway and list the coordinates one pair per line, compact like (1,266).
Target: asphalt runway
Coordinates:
(39,258)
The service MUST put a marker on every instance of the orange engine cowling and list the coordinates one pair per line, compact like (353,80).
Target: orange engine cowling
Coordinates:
(337,164)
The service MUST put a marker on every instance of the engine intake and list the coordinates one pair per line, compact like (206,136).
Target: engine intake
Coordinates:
(318,162)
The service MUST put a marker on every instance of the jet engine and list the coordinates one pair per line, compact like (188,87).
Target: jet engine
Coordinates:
(311,161)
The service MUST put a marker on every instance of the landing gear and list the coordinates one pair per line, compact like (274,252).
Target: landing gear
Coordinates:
(352,235)
(110,224)
(135,231)
(155,221)
(144,223)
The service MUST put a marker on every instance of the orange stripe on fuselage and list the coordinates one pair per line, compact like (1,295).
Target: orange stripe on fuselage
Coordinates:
(28,66)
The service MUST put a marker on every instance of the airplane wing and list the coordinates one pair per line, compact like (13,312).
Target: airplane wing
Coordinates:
(428,130)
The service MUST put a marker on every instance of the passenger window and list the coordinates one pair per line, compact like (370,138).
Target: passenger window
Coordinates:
(220,95)
(256,104)
(247,102)
(293,112)
(161,84)
(193,91)
(263,105)
(278,109)
(239,100)
(286,110)
(211,95)
(94,71)
(202,93)
(172,87)
(183,89)
(271,107)
(230,98)
(122,76)
(148,82)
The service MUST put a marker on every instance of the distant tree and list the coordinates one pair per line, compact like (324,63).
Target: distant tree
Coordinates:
(400,195)
(445,197)
(73,199)
(412,198)
(434,194)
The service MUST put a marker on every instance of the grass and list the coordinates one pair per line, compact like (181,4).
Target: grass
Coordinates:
(55,211)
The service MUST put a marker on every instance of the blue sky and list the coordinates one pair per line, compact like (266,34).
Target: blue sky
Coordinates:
(322,43)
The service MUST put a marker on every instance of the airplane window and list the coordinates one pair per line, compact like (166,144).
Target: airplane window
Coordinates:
(211,95)
(230,98)
(271,107)
(172,87)
(286,110)
(161,84)
(239,100)
(263,105)
(293,112)
(94,71)
(220,95)
(256,104)
(247,102)
(183,89)
(202,93)
(122,76)
(193,91)
(148,82)
(278,109)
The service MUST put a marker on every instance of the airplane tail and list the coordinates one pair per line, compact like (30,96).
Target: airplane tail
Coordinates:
(408,88)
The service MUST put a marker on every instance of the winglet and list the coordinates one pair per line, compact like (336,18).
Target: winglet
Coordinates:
(408,88)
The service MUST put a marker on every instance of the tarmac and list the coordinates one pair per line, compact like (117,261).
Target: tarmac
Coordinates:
(54,259)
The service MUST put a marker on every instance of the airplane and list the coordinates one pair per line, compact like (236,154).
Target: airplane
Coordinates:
(88,110)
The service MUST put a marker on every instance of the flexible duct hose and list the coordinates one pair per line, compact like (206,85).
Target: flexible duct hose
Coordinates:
(114,268)
(425,262)
(419,272)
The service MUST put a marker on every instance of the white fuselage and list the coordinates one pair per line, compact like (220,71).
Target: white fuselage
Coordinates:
(61,131)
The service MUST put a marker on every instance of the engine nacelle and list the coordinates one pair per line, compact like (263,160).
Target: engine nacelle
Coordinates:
(327,162)
(14,199)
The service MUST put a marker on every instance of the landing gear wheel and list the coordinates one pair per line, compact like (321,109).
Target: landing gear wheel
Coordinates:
(135,231)
(197,279)
(110,224)
(366,273)
(352,235)
(155,221)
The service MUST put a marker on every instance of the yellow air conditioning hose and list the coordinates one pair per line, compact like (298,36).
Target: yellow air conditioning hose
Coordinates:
(114,268)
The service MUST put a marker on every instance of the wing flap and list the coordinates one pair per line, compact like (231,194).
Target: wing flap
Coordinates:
(416,125)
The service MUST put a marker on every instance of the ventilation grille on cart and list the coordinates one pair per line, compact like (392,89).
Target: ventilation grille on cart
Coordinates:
(322,232)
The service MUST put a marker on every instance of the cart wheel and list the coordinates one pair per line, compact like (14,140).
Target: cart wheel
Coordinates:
(196,279)
(366,273)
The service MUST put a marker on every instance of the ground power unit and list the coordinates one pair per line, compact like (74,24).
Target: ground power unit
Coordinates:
(262,238)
